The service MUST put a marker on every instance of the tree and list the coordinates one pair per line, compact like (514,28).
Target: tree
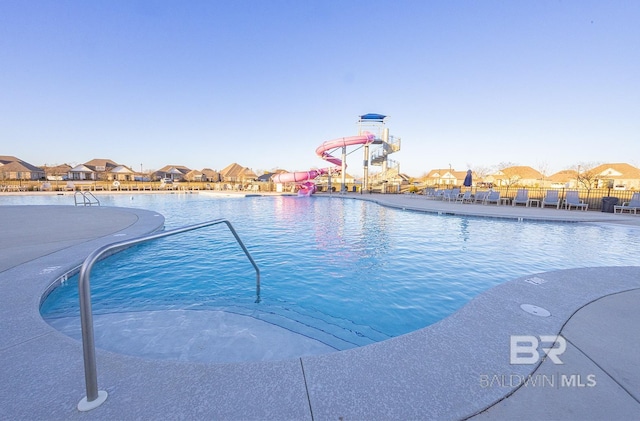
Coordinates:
(482,172)
(586,176)
(543,168)
(510,177)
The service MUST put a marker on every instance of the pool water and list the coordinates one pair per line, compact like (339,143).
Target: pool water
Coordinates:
(343,272)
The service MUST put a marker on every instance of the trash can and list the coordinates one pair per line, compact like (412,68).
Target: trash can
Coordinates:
(608,203)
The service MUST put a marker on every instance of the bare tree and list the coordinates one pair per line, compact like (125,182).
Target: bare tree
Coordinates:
(543,168)
(586,176)
(482,172)
(506,164)
(509,178)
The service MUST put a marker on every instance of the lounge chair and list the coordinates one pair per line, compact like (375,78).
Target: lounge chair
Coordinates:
(452,196)
(480,196)
(430,193)
(572,199)
(522,197)
(492,197)
(438,194)
(632,206)
(442,194)
(551,198)
(465,197)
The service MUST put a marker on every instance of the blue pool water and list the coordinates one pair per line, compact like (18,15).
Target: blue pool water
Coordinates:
(342,271)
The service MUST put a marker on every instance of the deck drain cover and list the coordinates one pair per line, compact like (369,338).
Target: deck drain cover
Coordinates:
(535,280)
(535,310)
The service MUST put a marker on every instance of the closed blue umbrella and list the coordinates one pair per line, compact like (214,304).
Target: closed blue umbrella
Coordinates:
(468,179)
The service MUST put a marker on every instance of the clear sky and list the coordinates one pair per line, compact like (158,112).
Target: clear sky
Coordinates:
(549,84)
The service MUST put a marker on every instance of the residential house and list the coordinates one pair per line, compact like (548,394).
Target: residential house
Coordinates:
(336,178)
(444,177)
(57,172)
(210,175)
(266,177)
(12,168)
(235,173)
(94,170)
(520,176)
(563,179)
(171,172)
(194,175)
(619,176)
(82,172)
(122,173)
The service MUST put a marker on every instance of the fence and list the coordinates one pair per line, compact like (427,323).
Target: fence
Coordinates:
(591,196)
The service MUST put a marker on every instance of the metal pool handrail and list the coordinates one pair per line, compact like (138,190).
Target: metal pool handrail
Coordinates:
(86,201)
(95,397)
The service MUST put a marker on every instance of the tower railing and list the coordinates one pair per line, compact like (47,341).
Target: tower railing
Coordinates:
(94,396)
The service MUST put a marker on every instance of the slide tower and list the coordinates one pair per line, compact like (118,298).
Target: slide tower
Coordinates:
(386,145)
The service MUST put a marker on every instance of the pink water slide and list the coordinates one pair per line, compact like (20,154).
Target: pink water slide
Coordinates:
(306,186)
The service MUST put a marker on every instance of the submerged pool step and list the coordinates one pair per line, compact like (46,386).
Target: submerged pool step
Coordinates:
(339,334)
(223,333)
(196,336)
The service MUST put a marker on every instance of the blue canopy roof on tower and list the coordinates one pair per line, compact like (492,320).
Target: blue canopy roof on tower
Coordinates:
(372,116)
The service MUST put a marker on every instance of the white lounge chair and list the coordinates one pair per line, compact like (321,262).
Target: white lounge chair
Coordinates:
(465,197)
(452,195)
(572,200)
(492,197)
(430,193)
(551,198)
(480,196)
(522,197)
(632,206)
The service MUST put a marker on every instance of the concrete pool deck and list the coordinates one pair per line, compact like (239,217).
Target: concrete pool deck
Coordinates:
(458,368)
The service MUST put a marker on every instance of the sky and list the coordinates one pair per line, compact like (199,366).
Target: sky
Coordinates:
(467,84)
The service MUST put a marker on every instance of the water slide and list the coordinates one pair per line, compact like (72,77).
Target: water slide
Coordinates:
(306,186)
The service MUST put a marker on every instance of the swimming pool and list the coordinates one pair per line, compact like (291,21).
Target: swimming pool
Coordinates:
(343,272)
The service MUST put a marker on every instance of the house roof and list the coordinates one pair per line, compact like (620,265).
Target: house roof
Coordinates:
(13,164)
(441,172)
(82,168)
(265,177)
(209,172)
(445,173)
(248,173)
(107,164)
(59,169)
(237,171)
(617,170)
(173,168)
(232,170)
(522,172)
(122,169)
(563,176)
(5,159)
(18,166)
